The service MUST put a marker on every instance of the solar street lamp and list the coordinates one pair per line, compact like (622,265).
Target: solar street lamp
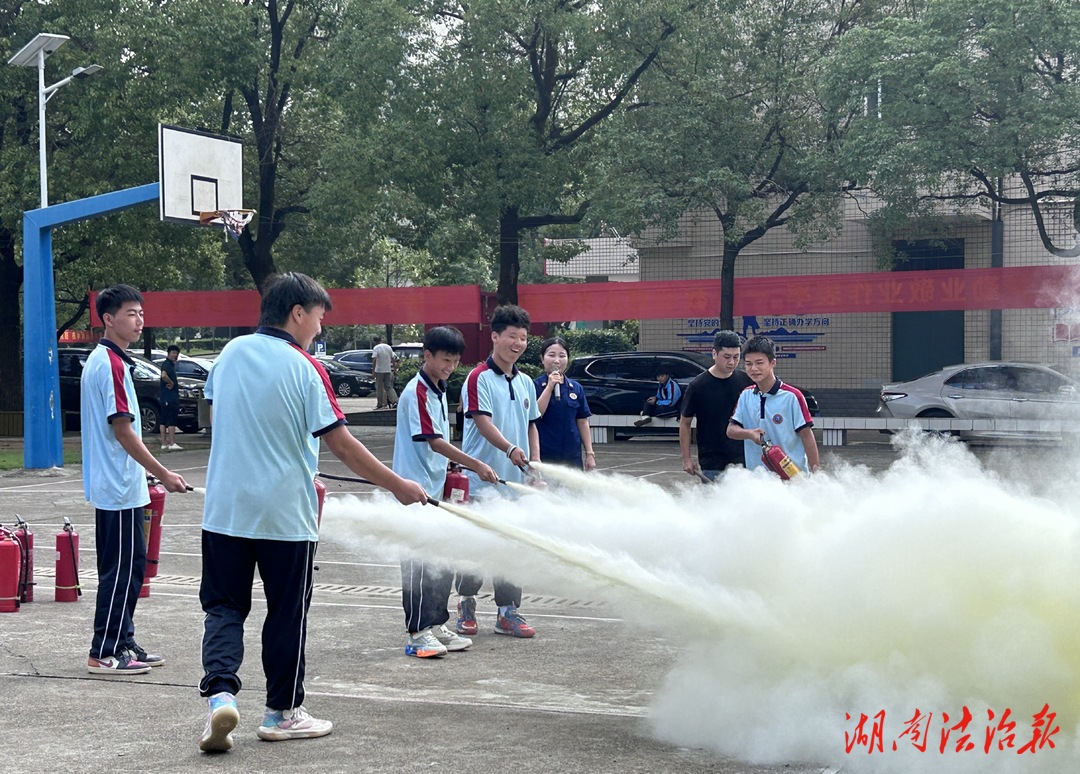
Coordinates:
(34,54)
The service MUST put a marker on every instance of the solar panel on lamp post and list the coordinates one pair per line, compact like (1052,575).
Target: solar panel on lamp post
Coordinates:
(34,54)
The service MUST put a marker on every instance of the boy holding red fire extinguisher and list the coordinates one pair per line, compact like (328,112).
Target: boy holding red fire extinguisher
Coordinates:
(273,408)
(115,463)
(421,452)
(772,411)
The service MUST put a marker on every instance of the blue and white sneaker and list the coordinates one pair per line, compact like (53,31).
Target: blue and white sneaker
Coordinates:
(222,718)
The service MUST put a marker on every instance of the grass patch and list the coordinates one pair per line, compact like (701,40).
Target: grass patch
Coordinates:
(12,459)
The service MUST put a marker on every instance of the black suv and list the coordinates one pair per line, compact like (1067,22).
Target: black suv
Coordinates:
(147,378)
(620,382)
(356,359)
(346,381)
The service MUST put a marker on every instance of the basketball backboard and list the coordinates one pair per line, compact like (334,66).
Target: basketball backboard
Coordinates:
(199,172)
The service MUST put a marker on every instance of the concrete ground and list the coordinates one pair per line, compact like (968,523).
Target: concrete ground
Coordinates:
(574,699)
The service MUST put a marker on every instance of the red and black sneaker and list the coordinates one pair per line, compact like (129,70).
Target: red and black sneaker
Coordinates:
(466,616)
(513,624)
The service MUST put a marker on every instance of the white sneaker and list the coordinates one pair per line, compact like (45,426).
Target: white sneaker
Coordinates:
(279,725)
(424,644)
(451,640)
(164,447)
(176,447)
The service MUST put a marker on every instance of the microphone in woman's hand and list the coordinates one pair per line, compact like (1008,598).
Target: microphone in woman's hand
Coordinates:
(558,387)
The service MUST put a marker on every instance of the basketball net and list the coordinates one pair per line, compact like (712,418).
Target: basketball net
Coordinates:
(233,221)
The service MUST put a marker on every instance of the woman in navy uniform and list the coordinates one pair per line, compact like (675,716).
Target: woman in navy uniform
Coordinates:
(564,421)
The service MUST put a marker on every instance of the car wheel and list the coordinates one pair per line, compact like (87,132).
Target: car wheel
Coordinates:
(151,417)
(939,414)
(344,388)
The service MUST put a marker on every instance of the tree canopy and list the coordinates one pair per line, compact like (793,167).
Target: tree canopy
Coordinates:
(739,120)
(978,101)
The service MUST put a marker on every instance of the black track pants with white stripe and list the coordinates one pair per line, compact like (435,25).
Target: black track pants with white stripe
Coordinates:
(120,542)
(425,590)
(228,572)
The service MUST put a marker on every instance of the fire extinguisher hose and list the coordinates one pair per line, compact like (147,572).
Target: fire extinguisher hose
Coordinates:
(70,530)
(355,480)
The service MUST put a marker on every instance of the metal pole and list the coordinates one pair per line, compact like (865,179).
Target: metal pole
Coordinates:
(41,130)
(42,407)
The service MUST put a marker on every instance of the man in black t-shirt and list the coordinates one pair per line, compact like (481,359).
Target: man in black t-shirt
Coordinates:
(711,397)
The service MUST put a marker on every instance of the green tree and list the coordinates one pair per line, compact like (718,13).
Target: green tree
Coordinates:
(268,72)
(978,101)
(738,122)
(91,149)
(492,120)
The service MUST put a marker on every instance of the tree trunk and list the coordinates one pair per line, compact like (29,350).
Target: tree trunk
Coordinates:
(727,287)
(258,253)
(509,262)
(11,279)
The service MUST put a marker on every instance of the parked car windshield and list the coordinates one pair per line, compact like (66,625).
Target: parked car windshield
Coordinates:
(333,365)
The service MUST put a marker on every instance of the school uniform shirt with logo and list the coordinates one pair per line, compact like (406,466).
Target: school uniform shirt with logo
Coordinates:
(421,416)
(112,479)
(781,413)
(272,402)
(510,401)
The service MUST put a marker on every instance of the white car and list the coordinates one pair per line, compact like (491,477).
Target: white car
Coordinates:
(997,390)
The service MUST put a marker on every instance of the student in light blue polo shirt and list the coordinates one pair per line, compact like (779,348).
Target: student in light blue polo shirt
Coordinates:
(272,405)
(115,464)
(772,411)
(422,450)
(499,403)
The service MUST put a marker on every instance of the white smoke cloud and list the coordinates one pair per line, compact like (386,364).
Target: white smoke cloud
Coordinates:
(932,586)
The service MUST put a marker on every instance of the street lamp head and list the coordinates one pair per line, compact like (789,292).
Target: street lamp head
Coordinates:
(43,43)
(86,72)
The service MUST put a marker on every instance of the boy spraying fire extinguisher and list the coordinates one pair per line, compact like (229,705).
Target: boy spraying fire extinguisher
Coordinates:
(771,413)
(422,450)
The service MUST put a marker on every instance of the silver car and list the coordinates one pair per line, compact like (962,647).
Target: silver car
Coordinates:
(996,390)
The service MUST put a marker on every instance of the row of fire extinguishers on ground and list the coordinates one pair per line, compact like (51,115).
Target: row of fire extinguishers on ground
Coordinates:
(17,556)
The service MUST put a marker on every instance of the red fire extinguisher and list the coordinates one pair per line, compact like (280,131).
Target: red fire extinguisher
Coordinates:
(320,496)
(67,564)
(456,488)
(26,575)
(776,460)
(10,570)
(152,515)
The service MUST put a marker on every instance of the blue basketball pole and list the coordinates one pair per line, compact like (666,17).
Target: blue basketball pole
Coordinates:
(43,415)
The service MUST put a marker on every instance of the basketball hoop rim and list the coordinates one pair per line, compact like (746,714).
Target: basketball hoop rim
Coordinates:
(217,217)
